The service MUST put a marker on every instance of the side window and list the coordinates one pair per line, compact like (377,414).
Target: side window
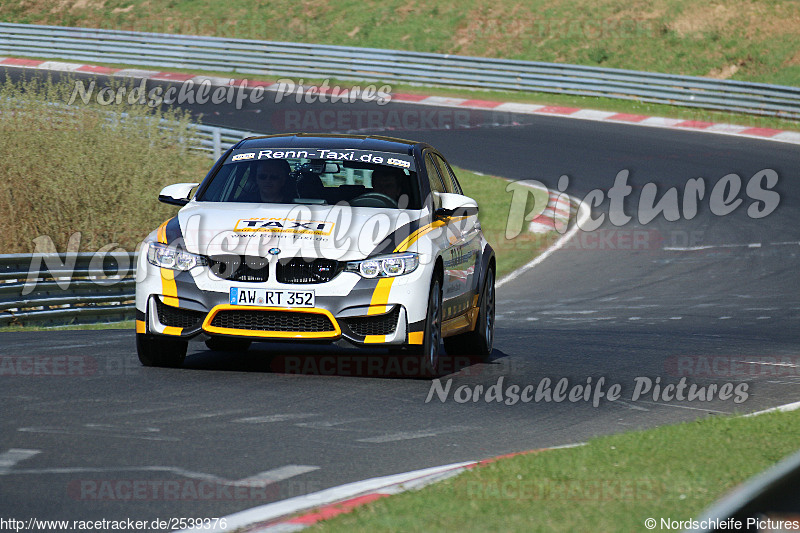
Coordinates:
(450,182)
(433,175)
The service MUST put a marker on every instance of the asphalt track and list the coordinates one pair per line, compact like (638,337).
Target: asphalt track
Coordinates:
(109,439)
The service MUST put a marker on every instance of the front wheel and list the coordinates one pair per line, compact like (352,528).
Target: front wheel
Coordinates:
(160,351)
(430,352)
(480,341)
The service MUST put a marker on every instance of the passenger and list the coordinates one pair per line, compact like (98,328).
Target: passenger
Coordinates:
(389,182)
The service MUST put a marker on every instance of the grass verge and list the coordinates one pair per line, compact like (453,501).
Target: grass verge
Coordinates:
(495,204)
(127,324)
(612,484)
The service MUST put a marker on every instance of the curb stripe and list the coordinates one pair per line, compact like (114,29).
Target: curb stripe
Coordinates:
(694,124)
(22,62)
(97,69)
(172,76)
(488,104)
(269,517)
(626,117)
(761,132)
(410,98)
(329,511)
(334,508)
(557,110)
(58,65)
(784,136)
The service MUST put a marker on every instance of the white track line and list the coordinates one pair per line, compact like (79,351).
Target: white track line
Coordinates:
(409,435)
(13,456)
(780,409)
(273,511)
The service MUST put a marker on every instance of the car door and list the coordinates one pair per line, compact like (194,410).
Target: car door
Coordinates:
(463,248)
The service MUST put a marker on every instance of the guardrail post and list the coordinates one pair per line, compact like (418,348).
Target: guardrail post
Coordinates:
(217,140)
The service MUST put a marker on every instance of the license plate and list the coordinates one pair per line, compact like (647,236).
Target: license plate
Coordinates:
(271,298)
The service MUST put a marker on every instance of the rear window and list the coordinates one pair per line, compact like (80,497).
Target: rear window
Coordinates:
(316,176)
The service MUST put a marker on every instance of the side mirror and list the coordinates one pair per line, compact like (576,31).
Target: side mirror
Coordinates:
(177,194)
(455,205)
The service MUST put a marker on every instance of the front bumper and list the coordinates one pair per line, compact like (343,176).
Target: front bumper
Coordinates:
(196,305)
(355,324)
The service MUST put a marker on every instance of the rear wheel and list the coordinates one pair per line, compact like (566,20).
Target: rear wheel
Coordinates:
(220,344)
(480,341)
(160,351)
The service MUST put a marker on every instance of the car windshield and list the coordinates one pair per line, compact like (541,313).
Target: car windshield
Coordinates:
(316,176)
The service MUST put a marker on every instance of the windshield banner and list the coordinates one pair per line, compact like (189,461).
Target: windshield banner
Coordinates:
(357,156)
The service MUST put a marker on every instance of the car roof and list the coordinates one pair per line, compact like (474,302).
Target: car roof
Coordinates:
(374,143)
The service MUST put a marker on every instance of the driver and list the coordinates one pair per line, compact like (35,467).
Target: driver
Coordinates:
(274,183)
(388,181)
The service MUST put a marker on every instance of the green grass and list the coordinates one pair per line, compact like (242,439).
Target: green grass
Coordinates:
(127,324)
(612,484)
(754,40)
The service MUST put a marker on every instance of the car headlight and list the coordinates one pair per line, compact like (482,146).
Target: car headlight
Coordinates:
(165,256)
(385,266)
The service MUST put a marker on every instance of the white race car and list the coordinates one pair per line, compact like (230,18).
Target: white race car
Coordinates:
(362,240)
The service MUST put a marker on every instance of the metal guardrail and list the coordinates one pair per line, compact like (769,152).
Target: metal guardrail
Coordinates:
(371,64)
(67,288)
(214,141)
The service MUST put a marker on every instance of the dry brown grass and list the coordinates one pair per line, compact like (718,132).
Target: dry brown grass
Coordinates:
(80,169)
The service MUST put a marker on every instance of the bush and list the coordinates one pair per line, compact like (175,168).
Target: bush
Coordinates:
(86,168)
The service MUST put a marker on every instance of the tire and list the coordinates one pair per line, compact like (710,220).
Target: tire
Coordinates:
(220,344)
(160,351)
(430,352)
(480,341)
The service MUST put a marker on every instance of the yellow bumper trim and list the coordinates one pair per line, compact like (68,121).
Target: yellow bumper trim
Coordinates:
(335,333)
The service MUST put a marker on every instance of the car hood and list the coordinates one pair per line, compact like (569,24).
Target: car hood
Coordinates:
(335,232)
